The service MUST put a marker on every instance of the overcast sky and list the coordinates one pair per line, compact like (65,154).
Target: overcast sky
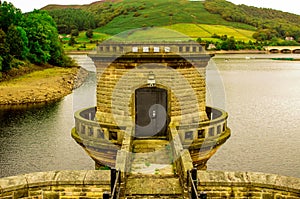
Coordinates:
(284,5)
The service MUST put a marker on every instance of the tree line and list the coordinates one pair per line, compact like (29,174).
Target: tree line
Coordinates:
(230,43)
(270,23)
(29,37)
(71,20)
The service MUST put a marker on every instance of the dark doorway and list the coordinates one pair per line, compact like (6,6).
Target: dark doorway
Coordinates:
(151,112)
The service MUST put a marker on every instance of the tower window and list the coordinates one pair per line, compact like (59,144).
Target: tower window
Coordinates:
(201,133)
(219,129)
(100,134)
(188,135)
(211,131)
(91,131)
(113,135)
(83,129)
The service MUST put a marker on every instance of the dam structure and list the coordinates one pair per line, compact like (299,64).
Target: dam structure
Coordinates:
(150,134)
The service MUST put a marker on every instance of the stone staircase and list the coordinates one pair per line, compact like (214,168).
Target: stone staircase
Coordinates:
(152,173)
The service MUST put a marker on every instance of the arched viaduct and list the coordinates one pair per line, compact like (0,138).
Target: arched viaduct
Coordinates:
(283,49)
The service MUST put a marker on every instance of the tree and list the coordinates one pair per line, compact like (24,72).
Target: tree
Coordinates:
(229,44)
(89,33)
(9,15)
(17,41)
(75,32)
(44,44)
(5,57)
(70,18)
(72,41)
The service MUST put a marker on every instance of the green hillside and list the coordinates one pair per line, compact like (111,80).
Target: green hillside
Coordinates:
(118,16)
(159,13)
(211,21)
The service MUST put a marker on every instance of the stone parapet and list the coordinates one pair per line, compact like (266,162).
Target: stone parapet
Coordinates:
(222,184)
(56,184)
(92,184)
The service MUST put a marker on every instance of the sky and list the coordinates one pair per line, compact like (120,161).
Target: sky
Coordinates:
(284,5)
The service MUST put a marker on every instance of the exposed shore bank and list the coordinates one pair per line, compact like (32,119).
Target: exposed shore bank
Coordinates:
(40,86)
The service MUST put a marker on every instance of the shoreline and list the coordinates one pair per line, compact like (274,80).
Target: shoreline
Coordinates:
(41,86)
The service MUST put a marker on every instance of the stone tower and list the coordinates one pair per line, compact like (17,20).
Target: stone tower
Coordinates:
(150,89)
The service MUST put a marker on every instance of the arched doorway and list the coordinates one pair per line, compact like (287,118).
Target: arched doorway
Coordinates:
(151,112)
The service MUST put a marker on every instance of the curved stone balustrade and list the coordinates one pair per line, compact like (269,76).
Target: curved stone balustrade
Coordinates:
(102,141)
(215,127)
(87,127)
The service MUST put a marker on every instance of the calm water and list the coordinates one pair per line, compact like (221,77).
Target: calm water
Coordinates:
(262,98)
(263,102)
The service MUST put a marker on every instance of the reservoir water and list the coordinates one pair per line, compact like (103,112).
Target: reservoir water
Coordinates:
(261,96)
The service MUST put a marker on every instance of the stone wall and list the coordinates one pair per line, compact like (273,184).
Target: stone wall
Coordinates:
(92,184)
(56,184)
(186,91)
(221,185)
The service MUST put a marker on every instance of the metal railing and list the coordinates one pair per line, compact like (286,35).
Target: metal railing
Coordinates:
(192,183)
(115,185)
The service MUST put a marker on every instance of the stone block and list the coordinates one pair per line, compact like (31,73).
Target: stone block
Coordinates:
(50,195)
(267,196)
(70,177)
(35,193)
(41,179)
(13,183)
(21,193)
(94,177)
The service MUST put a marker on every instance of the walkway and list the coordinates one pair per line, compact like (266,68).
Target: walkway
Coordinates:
(152,172)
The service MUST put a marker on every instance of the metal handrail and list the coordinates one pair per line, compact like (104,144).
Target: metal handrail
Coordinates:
(191,183)
(116,193)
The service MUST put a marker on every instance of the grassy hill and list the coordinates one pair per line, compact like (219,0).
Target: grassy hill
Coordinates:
(160,13)
(191,18)
(184,16)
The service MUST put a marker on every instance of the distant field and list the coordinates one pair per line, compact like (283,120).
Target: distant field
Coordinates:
(206,31)
(191,30)
(154,34)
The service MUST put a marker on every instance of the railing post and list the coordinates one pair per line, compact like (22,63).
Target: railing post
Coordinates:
(113,175)
(188,178)
(195,182)
(120,177)
(106,195)
(203,195)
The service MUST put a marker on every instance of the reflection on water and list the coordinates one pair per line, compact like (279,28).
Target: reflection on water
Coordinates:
(262,98)
(38,138)
(263,102)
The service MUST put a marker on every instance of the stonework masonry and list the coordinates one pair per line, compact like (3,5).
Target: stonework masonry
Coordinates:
(92,184)
(222,184)
(56,184)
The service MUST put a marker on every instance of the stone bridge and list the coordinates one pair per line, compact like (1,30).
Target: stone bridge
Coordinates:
(283,49)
